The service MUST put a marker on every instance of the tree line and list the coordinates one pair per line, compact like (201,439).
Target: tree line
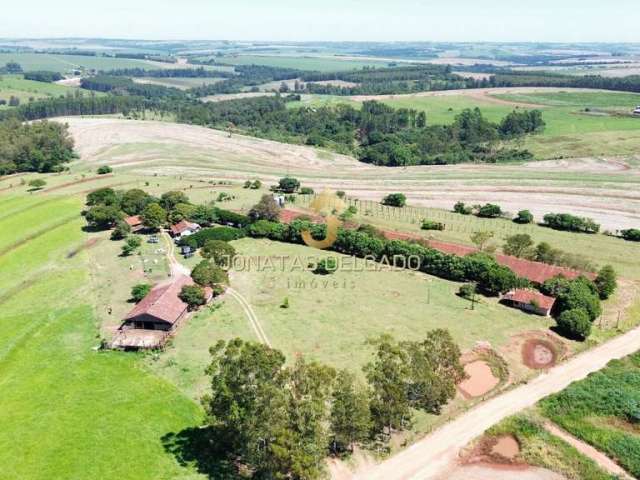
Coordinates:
(34,147)
(199,72)
(282,421)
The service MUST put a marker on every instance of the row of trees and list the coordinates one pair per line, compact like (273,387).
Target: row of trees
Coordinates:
(43,76)
(34,147)
(570,223)
(282,421)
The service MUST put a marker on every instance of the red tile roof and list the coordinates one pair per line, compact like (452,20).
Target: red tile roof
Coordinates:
(133,221)
(288,216)
(163,302)
(537,272)
(183,226)
(526,296)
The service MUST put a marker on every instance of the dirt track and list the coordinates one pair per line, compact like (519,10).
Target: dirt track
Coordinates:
(436,454)
(196,152)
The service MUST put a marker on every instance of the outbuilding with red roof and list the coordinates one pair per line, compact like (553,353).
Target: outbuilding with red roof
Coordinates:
(529,301)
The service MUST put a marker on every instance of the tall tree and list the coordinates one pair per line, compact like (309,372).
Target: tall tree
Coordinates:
(350,413)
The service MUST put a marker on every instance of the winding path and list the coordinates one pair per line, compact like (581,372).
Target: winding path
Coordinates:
(435,454)
(178,268)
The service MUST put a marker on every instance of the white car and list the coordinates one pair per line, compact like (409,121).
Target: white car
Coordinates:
(637,110)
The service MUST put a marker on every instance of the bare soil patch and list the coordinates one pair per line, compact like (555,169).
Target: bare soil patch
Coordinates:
(480,379)
(506,447)
(539,354)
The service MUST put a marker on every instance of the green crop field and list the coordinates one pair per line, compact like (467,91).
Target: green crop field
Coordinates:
(603,411)
(65,63)
(16,85)
(182,83)
(320,64)
(69,411)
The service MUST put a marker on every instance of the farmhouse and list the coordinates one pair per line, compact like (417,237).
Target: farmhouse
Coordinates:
(135,222)
(156,316)
(529,301)
(184,229)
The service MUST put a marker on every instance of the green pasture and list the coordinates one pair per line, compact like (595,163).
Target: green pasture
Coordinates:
(69,411)
(16,85)
(601,411)
(65,63)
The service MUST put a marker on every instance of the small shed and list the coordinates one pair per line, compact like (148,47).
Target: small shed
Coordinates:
(529,301)
(135,222)
(184,229)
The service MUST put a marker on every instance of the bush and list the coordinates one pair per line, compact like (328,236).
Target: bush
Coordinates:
(462,209)
(207,274)
(432,225)
(219,252)
(468,290)
(37,184)
(524,217)
(632,234)
(231,219)
(193,296)
(606,282)
(132,244)
(103,170)
(266,209)
(139,291)
(288,184)
(570,223)
(225,234)
(575,323)
(306,191)
(489,210)
(326,266)
(395,200)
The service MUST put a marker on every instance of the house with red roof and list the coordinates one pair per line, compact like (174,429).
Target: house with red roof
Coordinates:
(135,222)
(529,301)
(183,229)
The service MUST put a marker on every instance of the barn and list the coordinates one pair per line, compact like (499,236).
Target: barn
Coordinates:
(135,222)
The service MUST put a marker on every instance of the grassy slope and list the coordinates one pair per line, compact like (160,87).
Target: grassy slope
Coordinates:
(68,411)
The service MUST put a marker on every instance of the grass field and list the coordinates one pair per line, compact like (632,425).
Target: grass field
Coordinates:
(320,64)
(602,410)
(16,85)
(178,82)
(66,63)
(68,411)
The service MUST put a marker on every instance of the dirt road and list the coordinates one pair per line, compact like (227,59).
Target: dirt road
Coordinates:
(435,454)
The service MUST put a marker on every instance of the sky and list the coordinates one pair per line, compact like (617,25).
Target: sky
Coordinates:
(327,20)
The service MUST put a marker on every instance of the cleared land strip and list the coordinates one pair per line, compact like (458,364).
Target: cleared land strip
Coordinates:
(436,453)
(600,458)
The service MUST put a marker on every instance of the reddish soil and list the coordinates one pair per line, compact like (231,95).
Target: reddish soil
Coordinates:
(539,354)
(479,381)
(506,447)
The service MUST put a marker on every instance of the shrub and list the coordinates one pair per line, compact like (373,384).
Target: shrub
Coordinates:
(131,245)
(395,200)
(306,191)
(326,266)
(266,209)
(468,290)
(232,219)
(103,170)
(207,274)
(139,291)
(432,225)
(37,184)
(193,296)
(489,210)
(288,184)
(571,223)
(462,209)
(518,245)
(632,234)
(219,252)
(225,234)
(575,323)
(606,282)
(524,217)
